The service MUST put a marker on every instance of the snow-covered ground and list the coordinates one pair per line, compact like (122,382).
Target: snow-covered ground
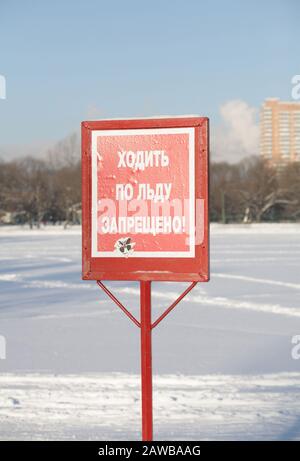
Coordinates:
(222,358)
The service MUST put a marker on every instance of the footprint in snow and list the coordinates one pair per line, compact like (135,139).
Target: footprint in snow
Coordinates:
(14,401)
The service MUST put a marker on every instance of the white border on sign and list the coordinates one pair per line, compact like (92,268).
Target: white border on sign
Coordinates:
(142,254)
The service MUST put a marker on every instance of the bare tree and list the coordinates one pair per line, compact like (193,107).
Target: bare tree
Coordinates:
(260,189)
(65,153)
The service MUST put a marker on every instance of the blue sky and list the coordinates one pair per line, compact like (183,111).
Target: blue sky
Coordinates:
(66,61)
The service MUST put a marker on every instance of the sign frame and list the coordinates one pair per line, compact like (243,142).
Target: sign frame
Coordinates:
(195,269)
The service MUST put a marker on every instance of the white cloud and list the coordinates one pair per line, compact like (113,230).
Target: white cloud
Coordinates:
(237,136)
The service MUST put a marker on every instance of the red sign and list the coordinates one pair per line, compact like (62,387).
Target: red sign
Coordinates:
(145,194)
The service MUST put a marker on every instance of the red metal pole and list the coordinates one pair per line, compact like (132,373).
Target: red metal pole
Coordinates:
(146,361)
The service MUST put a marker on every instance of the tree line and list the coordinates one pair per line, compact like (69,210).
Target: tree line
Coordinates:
(36,191)
(254,191)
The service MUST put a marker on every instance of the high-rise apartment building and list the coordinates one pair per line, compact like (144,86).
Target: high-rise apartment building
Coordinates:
(280,131)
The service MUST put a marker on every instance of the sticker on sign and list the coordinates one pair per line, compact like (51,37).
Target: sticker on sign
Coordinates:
(145,199)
